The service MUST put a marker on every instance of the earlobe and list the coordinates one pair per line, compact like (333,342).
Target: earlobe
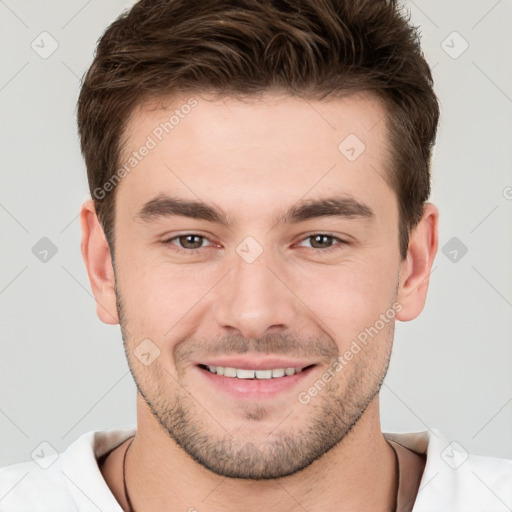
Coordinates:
(416,268)
(98,261)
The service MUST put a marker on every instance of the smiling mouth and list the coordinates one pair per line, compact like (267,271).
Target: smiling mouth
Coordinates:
(261,374)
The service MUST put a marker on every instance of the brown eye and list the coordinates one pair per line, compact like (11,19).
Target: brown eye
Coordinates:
(185,240)
(186,243)
(324,241)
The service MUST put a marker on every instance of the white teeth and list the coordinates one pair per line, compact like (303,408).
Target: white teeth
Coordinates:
(245,374)
(239,373)
(229,372)
(263,374)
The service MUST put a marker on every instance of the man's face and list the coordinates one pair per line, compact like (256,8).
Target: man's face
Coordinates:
(256,294)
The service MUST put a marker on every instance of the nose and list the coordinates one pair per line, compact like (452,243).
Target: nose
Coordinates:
(255,299)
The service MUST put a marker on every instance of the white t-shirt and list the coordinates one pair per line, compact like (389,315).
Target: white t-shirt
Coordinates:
(453,481)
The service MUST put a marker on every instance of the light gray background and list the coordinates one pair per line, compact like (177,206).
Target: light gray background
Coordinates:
(63,372)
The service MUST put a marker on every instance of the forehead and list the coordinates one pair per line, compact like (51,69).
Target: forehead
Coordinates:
(266,151)
(203,119)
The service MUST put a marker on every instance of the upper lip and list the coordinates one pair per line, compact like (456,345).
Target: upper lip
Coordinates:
(256,363)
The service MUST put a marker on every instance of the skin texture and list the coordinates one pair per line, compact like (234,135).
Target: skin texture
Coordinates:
(200,447)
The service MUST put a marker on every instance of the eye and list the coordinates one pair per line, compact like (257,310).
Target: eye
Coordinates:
(320,240)
(186,240)
(192,243)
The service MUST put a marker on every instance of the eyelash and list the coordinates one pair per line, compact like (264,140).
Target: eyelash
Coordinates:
(195,251)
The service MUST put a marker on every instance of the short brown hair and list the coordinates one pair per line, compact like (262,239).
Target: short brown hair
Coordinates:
(307,48)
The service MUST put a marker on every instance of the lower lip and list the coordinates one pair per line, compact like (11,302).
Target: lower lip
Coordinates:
(255,388)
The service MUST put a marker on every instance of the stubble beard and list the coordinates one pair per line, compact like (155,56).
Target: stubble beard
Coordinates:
(327,419)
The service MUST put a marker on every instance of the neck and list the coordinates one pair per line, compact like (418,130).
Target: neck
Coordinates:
(357,474)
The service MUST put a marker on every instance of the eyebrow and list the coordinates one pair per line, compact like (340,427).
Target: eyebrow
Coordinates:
(342,206)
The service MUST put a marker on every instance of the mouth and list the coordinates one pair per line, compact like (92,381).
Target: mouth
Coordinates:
(256,374)
(255,381)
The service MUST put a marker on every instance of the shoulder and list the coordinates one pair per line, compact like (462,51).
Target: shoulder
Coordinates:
(471,483)
(70,481)
(23,485)
(456,480)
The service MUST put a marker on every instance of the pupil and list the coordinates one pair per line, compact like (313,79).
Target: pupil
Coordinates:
(319,237)
(189,239)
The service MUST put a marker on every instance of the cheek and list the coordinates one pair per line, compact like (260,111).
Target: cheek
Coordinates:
(350,297)
(160,297)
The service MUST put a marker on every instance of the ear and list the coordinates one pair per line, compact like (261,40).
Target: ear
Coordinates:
(98,261)
(415,269)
